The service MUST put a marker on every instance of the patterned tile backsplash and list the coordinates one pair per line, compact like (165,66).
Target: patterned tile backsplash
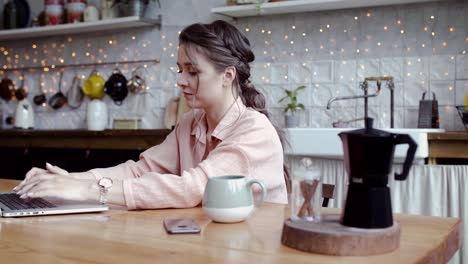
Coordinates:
(423,46)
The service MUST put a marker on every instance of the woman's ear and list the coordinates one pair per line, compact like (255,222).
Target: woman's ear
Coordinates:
(229,76)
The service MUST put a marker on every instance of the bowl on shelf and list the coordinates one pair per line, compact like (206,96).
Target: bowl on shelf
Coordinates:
(463,113)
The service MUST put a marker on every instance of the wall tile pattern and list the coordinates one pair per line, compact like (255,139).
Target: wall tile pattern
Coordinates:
(423,46)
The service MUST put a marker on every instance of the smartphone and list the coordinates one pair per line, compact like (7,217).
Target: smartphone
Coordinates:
(181,226)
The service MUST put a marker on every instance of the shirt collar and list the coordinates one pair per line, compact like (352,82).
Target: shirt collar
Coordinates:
(221,131)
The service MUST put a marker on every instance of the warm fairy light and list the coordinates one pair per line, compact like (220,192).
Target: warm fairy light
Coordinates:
(444,44)
(5,53)
(378,44)
(345,30)
(466,39)
(321,30)
(247,29)
(69,39)
(263,31)
(306,50)
(269,32)
(402,31)
(52,66)
(385,28)
(433,33)
(423,45)
(303,34)
(356,18)
(426,28)
(398,22)
(286,37)
(46,69)
(451,29)
(110,42)
(144,45)
(293,27)
(463,52)
(368,14)
(321,46)
(73,54)
(432,17)
(357,51)
(328,26)
(164,49)
(34,46)
(409,63)
(291,42)
(87,54)
(133,37)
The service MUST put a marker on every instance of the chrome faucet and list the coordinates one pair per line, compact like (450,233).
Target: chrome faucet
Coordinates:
(364,86)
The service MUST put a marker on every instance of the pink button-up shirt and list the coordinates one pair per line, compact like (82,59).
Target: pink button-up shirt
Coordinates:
(174,173)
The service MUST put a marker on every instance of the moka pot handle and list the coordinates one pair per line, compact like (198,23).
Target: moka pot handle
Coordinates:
(406,139)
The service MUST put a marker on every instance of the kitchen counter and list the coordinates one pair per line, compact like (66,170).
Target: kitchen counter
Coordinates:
(448,145)
(83,139)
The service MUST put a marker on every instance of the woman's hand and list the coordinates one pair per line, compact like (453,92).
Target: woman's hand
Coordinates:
(38,171)
(56,182)
(56,185)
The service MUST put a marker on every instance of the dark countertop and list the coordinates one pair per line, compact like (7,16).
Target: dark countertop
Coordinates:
(449,145)
(108,139)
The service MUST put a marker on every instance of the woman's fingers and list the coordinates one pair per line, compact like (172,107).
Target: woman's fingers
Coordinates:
(26,187)
(30,174)
(40,190)
(56,169)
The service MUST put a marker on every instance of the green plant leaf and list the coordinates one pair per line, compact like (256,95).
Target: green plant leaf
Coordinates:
(300,106)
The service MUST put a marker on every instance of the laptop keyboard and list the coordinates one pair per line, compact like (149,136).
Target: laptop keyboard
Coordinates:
(15,203)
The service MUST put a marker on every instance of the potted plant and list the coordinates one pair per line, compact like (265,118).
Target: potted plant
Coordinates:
(293,107)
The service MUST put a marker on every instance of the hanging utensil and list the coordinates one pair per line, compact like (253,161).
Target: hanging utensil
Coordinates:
(59,99)
(75,93)
(136,83)
(40,98)
(116,86)
(7,88)
(21,93)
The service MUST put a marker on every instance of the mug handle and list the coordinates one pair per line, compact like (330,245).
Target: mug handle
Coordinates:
(264,191)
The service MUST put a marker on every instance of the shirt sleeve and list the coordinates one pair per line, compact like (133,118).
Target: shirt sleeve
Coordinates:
(165,190)
(162,158)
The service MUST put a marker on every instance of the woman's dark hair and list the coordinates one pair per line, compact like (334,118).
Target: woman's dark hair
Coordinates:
(224,45)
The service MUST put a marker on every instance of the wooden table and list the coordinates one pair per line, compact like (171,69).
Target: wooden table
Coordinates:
(121,236)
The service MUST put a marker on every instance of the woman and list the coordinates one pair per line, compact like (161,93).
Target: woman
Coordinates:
(227,132)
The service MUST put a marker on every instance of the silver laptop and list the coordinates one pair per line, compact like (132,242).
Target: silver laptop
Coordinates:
(13,206)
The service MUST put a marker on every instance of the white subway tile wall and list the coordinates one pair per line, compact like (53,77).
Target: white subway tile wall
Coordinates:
(423,46)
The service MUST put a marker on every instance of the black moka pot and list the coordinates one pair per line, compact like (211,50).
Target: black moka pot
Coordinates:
(368,158)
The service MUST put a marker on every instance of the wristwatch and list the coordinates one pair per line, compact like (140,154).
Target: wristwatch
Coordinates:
(104,185)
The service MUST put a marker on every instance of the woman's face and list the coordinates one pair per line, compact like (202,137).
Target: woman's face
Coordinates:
(202,86)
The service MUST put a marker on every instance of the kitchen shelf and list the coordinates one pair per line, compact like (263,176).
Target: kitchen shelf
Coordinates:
(76,28)
(299,6)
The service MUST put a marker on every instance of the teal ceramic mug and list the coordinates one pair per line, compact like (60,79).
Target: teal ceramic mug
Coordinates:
(229,199)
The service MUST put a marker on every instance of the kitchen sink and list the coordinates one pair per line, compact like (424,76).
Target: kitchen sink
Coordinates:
(325,142)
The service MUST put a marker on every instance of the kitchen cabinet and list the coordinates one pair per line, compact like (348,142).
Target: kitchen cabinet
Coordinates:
(73,150)
(107,25)
(300,6)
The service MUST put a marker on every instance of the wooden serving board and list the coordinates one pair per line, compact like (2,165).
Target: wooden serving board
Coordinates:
(331,238)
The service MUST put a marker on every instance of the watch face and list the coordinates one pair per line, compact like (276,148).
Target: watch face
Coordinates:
(105,182)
